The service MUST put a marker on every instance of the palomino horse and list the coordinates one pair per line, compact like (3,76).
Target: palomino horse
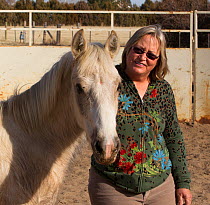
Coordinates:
(42,128)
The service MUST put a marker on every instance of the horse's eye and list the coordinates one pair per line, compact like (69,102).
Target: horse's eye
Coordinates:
(79,89)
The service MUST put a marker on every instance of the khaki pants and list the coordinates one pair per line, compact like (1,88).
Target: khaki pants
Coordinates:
(104,192)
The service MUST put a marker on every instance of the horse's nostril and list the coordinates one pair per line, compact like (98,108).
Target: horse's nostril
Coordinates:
(98,147)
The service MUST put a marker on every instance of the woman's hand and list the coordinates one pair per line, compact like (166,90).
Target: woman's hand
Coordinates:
(183,196)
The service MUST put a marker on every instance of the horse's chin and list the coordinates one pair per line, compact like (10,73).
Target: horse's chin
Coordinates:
(101,160)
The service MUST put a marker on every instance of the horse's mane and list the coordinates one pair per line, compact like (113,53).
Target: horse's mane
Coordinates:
(30,108)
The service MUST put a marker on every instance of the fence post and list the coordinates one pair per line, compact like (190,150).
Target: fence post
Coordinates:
(195,28)
(44,33)
(15,32)
(112,20)
(33,32)
(6,31)
(193,46)
(72,34)
(30,28)
(58,36)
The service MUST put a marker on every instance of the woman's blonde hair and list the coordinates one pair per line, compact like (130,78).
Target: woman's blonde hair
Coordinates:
(161,69)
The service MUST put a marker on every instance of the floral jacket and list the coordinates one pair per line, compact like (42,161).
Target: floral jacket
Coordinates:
(151,140)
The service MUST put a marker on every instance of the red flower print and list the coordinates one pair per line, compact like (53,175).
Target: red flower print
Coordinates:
(133,145)
(123,159)
(129,154)
(153,93)
(120,164)
(128,169)
(122,152)
(131,159)
(139,156)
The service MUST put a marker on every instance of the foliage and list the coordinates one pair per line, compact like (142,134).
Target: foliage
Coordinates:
(173,21)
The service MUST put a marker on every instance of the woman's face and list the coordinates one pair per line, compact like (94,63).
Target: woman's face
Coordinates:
(142,57)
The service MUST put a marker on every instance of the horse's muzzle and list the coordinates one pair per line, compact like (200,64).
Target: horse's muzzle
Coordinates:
(106,153)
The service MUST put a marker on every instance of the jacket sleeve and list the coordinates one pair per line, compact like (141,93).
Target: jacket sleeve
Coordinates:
(175,143)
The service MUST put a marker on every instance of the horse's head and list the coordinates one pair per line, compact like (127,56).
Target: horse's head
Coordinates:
(95,81)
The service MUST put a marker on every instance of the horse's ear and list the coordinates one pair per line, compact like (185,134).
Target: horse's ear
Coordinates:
(79,43)
(112,44)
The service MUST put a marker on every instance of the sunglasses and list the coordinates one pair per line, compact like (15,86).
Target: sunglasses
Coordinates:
(149,55)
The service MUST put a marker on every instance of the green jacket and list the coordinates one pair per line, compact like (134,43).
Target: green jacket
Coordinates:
(151,140)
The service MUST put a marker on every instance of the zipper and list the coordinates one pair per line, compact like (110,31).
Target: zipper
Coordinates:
(141,140)
(142,122)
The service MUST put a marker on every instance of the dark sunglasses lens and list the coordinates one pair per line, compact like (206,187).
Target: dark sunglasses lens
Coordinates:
(152,56)
(138,50)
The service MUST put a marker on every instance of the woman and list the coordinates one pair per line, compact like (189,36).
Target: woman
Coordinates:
(151,166)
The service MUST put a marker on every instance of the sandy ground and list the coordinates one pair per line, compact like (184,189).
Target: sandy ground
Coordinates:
(197,138)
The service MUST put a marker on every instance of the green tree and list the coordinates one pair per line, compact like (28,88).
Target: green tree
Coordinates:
(184,5)
(4,5)
(4,17)
(11,3)
(54,5)
(24,5)
(40,5)
(70,19)
(83,19)
(148,5)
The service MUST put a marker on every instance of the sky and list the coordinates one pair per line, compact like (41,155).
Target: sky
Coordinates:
(140,2)
(137,2)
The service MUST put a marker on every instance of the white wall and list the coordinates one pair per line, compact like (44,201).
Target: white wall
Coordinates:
(23,66)
(202,90)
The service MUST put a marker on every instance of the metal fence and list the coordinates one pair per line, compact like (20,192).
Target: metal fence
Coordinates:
(198,30)
(30,28)
(201,74)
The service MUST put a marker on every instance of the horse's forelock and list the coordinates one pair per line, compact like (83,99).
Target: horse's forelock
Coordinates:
(95,59)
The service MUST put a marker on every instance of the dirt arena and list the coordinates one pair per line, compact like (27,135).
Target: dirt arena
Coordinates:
(197,138)
(93,34)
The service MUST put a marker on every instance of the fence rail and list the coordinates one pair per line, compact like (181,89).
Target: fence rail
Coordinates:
(30,28)
(196,30)
(112,13)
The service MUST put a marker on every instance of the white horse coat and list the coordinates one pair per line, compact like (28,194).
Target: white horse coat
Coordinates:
(42,128)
